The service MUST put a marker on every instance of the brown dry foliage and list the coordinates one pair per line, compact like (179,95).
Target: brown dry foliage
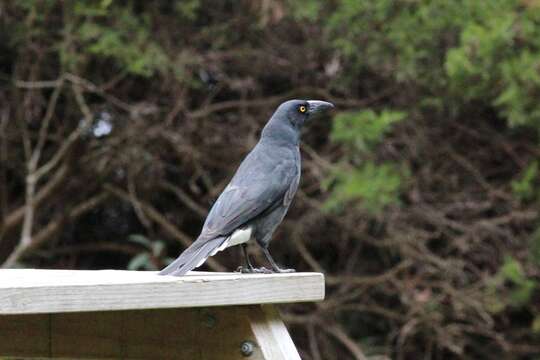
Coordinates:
(405,283)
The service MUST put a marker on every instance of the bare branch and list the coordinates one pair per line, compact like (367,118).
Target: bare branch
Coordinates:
(36,153)
(339,334)
(31,178)
(89,86)
(72,137)
(45,233)
(16,216)
(45,84)
(185,198)
(165,224)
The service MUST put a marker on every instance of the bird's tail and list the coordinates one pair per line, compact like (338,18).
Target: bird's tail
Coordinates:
(194,256)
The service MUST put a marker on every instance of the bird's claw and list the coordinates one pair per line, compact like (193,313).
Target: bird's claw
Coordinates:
(242,270)
(284,271)
(263,270)
(247,270)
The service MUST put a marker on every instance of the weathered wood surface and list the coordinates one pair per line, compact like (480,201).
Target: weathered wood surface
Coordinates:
(192,334)
(272,336)
(29,291)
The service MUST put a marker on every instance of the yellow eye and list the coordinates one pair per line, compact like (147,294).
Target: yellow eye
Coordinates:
(302,109)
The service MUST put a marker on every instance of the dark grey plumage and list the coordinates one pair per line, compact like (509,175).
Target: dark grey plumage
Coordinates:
(258,196)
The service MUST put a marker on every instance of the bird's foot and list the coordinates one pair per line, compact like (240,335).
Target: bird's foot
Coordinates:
(252,270)
(243,270)
(284,271)
(263,270)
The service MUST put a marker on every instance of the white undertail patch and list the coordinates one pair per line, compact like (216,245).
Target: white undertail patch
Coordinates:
(238,237)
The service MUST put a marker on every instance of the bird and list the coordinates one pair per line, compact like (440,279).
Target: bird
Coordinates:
(259,194)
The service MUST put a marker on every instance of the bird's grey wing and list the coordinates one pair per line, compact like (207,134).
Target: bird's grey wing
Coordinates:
(291,191)
(257,185)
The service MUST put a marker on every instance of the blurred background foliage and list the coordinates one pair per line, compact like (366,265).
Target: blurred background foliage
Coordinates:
(121,121)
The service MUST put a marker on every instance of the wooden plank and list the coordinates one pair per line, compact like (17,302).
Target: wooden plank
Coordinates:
(25,291)
(161,334)
(94,335)
(231,329)
(271,334)
(215,333)
(25,336)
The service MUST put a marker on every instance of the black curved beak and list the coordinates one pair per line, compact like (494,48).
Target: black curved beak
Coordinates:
(317,106)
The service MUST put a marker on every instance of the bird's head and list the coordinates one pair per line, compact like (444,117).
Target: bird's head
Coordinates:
(287,121)
(297,112)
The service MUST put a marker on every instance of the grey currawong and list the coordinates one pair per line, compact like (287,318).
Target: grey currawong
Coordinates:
(255,201)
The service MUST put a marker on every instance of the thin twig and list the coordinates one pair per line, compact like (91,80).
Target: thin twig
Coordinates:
(165,224)
(46,232)
(339,334)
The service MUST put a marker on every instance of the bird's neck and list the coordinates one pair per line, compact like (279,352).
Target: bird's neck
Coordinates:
(281,132)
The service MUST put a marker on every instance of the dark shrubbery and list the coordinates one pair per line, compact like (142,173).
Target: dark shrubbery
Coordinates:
(120,123)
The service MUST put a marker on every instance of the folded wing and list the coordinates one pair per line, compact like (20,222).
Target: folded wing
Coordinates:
(248,195)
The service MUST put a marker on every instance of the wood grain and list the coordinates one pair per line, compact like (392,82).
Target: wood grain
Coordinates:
(29,291)
(271,334)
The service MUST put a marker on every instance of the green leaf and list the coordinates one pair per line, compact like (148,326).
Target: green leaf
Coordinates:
(534,247)
(535,326)
(140,239)
(306,9)
(126,39)
(521,288)
(522,293)
(157,248)
(512,270)
(375,186)
(188,8)
(364,129)
(140,261)
(524,188)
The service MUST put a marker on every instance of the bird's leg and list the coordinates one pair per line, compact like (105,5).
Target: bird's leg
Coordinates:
(275,266)
(246,257)
(249,269)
